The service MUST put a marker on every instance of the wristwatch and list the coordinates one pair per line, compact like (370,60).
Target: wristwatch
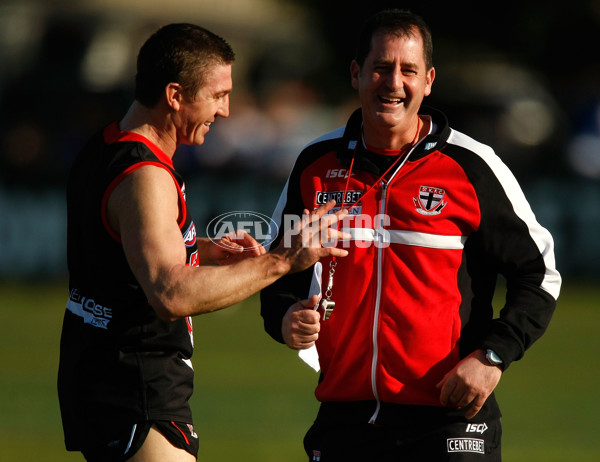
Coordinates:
(493,358)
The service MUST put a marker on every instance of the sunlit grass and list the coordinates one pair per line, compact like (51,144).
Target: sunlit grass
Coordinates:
(253,398)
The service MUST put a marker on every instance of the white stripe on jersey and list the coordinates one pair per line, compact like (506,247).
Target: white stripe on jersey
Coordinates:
(397,236)
(538,233)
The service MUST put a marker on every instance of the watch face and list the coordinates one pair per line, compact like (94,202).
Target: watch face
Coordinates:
(493,358)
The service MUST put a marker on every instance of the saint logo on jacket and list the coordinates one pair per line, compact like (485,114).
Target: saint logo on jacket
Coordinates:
(430,200)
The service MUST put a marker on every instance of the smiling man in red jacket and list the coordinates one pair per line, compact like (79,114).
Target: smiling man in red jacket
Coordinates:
(409,350)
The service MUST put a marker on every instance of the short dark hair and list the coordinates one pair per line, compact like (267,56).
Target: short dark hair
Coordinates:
(180,53)
(398,22)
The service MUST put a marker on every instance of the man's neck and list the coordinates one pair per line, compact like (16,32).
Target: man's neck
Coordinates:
(387,140)
(151,124)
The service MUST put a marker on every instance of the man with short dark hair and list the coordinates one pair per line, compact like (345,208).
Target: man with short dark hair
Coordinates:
(408,347)
(137,270)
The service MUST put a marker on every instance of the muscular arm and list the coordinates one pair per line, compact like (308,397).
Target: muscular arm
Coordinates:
(143,209)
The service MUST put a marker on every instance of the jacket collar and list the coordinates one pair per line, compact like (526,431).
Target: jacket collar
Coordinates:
(352,139)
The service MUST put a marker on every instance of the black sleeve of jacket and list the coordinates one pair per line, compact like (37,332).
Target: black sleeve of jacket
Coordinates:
(276,299)
(511,242)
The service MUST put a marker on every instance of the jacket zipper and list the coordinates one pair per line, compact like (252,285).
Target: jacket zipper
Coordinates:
(375,358)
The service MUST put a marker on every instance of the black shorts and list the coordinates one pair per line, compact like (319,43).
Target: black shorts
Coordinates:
(470,441)
(132,437)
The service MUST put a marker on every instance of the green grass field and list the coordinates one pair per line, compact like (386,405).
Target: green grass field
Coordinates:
(254,400)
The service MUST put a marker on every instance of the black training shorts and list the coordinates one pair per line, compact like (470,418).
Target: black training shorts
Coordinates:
(470,441)
(132,437)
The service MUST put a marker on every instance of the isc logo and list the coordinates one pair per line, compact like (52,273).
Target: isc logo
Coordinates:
(477,428)
(337,173)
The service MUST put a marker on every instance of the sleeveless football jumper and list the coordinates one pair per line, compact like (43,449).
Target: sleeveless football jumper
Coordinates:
(119,362)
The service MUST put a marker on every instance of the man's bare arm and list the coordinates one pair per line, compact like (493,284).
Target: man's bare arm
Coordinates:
(143,209)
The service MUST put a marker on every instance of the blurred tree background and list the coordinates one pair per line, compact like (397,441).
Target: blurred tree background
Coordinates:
(522,76)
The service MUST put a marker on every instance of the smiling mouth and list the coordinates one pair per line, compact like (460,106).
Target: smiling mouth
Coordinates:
(390,100)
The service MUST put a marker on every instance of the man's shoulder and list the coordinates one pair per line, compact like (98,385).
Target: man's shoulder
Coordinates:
(321,146)
(333,135)
(461,140)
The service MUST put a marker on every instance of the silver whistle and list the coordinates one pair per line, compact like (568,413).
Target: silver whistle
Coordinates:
(327,306)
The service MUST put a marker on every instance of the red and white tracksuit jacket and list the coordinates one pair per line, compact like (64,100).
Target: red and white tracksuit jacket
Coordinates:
(414,295)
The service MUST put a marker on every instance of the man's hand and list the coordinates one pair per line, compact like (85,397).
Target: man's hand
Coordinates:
(302,246)
(235,246)
(471,382)
(300,326)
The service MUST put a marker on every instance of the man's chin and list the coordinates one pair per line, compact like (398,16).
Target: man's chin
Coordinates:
(390,119)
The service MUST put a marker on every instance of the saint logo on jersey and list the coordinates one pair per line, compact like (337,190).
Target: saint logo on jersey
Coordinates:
(189,239)
(430,200)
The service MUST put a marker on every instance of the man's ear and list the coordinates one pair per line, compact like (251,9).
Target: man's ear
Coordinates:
(174,95)
(354,73)
(429,81)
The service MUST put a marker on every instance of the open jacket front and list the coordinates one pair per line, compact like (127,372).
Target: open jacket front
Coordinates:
(414,295)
